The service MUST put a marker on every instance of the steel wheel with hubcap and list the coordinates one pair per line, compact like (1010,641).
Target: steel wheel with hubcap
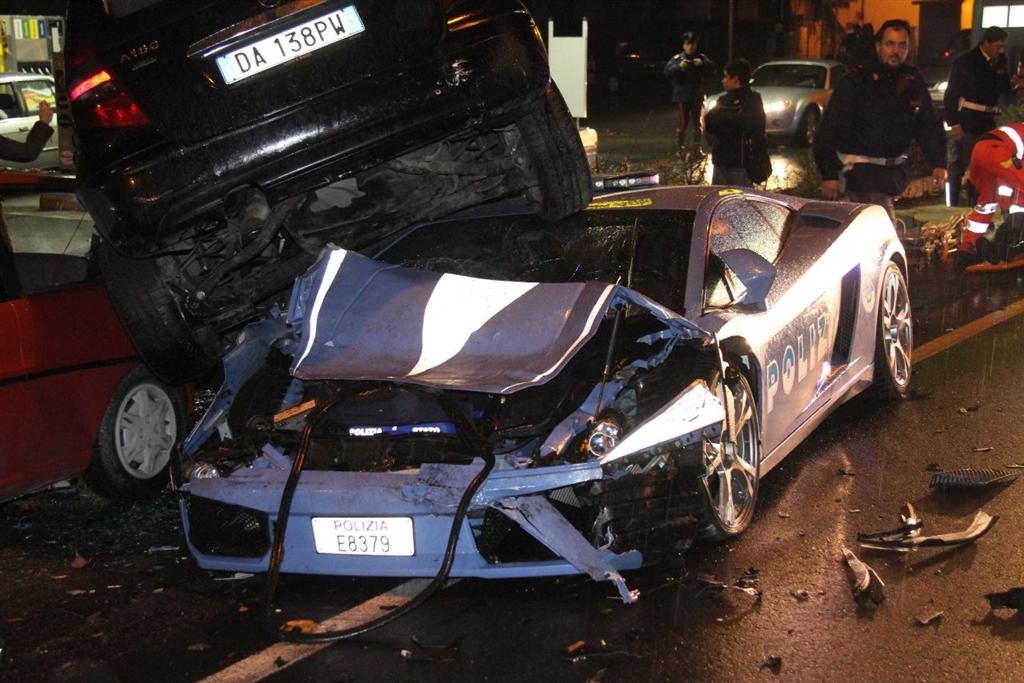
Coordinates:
(732,464)
(895,335)
(143,421)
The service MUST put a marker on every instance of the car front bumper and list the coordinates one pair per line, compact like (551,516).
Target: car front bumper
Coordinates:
(429,496)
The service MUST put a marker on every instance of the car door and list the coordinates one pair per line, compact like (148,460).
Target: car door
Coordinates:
(791,334)
(62,354)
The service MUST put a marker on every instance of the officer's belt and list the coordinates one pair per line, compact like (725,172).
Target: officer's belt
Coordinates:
(849,160)
(974,106)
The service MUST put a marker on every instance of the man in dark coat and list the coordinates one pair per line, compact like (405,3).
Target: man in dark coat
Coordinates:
(686,72)
(978,79)
(25,152)
(874,114)
(735,126)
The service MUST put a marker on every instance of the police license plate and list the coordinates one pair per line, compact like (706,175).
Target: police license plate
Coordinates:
(389,536)
(289,44)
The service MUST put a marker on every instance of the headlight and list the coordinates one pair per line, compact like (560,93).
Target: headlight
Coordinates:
(604,437)
(776,107)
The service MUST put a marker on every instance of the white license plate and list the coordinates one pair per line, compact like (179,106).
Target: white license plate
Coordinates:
(389,536)
(289,44)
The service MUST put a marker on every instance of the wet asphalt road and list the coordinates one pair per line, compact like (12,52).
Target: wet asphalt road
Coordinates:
(138,609)
(91,590)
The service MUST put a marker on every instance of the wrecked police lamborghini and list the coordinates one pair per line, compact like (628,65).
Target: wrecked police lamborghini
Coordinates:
(496,396)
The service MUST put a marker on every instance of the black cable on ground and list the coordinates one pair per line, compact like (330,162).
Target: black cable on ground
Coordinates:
(470,437)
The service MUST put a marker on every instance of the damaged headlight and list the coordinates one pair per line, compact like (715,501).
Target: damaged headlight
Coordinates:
(604,436)
(202,470)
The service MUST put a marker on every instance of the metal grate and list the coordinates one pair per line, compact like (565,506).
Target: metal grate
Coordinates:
(954,480)
(226,530)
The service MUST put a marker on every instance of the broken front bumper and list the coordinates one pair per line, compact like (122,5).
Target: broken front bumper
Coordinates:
(219,514)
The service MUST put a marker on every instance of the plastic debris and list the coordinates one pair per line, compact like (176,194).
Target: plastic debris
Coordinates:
(984,449)
(929,619)
(773,663)
(237,576)
(954,480)
(746,583)
(867,585)
(1011,599)
(908,535)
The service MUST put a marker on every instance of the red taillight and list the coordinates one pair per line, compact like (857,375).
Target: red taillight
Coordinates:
(90,83)
(100,102)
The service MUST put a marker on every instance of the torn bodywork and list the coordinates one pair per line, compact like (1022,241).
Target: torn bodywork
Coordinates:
(595,403)
(908,535)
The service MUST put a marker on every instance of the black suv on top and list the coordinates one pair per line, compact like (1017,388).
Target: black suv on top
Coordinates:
(222,144)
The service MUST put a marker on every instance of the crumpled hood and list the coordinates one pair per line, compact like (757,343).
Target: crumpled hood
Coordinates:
(360,319)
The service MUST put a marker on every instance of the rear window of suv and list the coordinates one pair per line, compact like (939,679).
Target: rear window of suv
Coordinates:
(122,8)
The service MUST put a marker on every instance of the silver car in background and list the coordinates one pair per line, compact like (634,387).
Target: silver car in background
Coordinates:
(795,92)
(20,97)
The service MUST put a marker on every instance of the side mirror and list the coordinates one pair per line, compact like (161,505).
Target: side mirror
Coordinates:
(753,271)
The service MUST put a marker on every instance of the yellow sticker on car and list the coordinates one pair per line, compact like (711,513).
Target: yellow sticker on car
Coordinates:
(621,204)
(723,193)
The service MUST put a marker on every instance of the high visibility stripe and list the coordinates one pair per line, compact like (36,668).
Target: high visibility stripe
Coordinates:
(986,208)
(975,226)
(1016,209)
(1017,141)
(1005,191)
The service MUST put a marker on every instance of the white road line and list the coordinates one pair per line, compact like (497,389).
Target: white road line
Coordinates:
(264,663)
(965,332)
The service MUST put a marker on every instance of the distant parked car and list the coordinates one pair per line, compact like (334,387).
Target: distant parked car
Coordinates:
(20,97)
(74,397)
(795,93)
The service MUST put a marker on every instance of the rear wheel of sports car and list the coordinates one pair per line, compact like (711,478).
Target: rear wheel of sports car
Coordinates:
(174,350)
(732,464)
(557,157)
(143,421)
(895,336)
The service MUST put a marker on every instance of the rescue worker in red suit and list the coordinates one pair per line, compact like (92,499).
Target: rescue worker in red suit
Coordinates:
(997,175)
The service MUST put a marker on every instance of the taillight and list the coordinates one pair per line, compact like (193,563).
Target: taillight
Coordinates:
(100,102)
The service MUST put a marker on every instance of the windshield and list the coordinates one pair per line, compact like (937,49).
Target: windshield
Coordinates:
(645,250)
(790,75)
(122,8)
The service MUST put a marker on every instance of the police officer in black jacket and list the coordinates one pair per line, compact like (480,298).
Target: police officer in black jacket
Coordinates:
(870,121)
(735,126)
(686,72)
(978,79)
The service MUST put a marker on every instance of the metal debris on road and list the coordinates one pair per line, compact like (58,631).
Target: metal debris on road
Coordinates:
(957,480)
(908,536)
(867,585)
(1011,599)
(773,663)
(929,619)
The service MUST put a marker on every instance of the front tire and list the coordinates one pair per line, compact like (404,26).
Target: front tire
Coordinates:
(557,157)
(143,421)
(732,464)
(895,336)
(808,128)
(172,348)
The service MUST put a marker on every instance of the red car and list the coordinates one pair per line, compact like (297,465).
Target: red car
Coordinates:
(74,397)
